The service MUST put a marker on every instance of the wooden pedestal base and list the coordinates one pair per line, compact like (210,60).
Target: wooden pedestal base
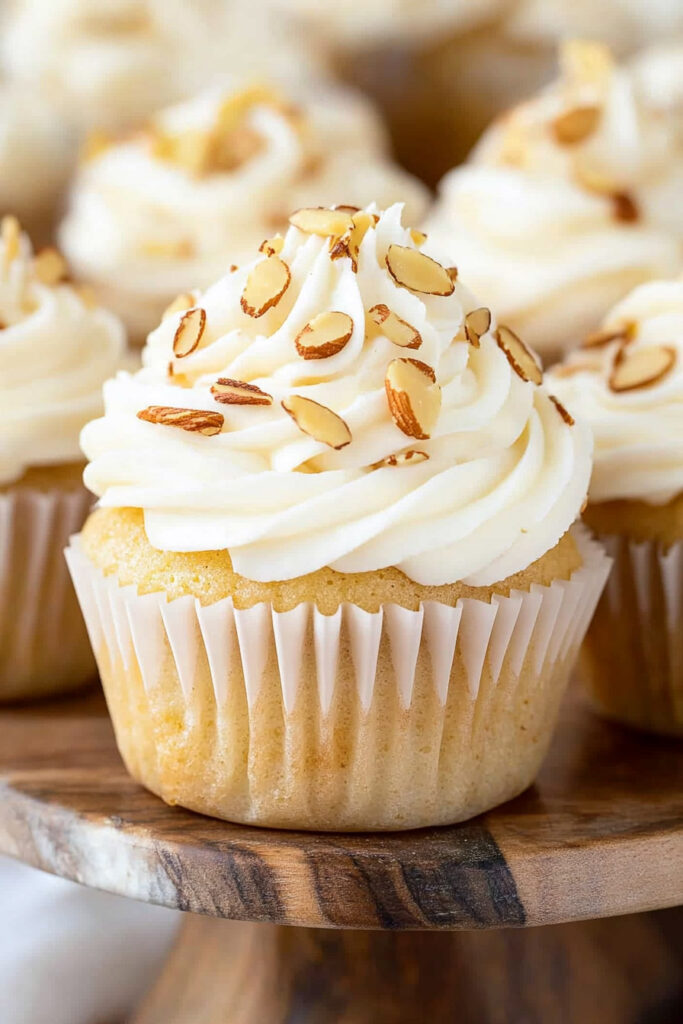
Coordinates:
(616,971)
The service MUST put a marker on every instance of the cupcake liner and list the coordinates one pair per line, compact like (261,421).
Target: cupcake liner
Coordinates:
(362,688)
(43,644)
(633,654)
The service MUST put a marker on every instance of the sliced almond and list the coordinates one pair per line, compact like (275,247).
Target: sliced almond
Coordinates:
(10,232)
(317,421)
(197,421)
(566,416)
(346,208)
(598,339)
(576,125)
(452,273)
(413,396)
(624,208)
(50,267)
(412,269)
(189,332)
(267,283)
(407,458)
(576,366)
(520,358)
(638,368)
(238,392)
(418,237)
(319,220)
(397,330)
(324,335)
(477,323)
(272,246)
(181,302)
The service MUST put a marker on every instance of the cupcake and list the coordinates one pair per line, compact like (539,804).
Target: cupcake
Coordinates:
(175,205)
(333,581)
(567,202)
(627,382)
(55,351)
(108,64)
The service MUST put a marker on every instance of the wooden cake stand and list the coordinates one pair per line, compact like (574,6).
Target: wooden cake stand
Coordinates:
(436,925)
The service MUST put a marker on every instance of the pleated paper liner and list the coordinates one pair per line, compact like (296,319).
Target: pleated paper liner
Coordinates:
(353,721)
(44,647)
(633,655)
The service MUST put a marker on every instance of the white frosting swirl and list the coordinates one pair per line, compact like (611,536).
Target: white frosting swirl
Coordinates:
(143,228)
(538,226)
(55,352)
(505,477)
(638,433)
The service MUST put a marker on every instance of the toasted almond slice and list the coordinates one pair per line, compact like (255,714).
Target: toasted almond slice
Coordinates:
(238,392)
(412,269)
(576,366)
(576,125)
(10,232)
(418,237)
(317,421)
(414,399)
(566,416)
(423,368)
(625,208)
(598,339)
(181,302)
(319,220)
(638,368)
(197,421)
(345,208)
(267,283)
(452,273)
(324,335)
(189,332)
(411,457)
(398,331)
(477,323)
(50,267)
(272,246)
(520,358)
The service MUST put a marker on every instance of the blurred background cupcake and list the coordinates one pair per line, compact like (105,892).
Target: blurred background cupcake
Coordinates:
(169,208)
(56,348)
(627,383)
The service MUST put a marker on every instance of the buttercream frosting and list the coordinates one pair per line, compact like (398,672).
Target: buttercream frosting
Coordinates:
(505,473)
(55,352)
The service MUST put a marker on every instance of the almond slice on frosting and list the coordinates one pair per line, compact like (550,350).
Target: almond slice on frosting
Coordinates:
(566,416)
(267,283)
(319,220)
(414,270)
(576,125)
(272,246)
(179,304)
(600,338)
(397,330)
(477,323)
(197,421)
(641,367)
(50,267)
(238,392)
(324,335)
(520,358)
(317,421)
(414,397)
(189,332)
(411,457)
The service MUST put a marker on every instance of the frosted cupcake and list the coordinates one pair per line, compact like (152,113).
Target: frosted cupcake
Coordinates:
(567,203)
(174,206)
(333,582)
(627,382)
(55,351)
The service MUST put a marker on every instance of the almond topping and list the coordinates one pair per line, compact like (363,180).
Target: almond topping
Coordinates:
(410,457)
(189,332)
(324,335)
(181,302)
(413,396)
(412,269)
(197,421)
(641,367)
(576,125)
(600,338)
(624,207)
(317,421)
(566,416)
(398,331)
(267,283)
(272,246)
(520,358)
(50,266)
(10,231)
(452,273)
(477,323)
(418,237)
(321,221)
(238,392)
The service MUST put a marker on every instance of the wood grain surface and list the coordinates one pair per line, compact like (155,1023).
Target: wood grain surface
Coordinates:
(601,833)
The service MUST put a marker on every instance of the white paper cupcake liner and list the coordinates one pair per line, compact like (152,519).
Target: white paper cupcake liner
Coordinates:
(43,645)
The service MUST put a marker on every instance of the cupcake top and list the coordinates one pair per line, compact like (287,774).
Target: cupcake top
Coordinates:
(55,351)
(568,201)
(342,401)
(627,383)
(109,63)
(209,179)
